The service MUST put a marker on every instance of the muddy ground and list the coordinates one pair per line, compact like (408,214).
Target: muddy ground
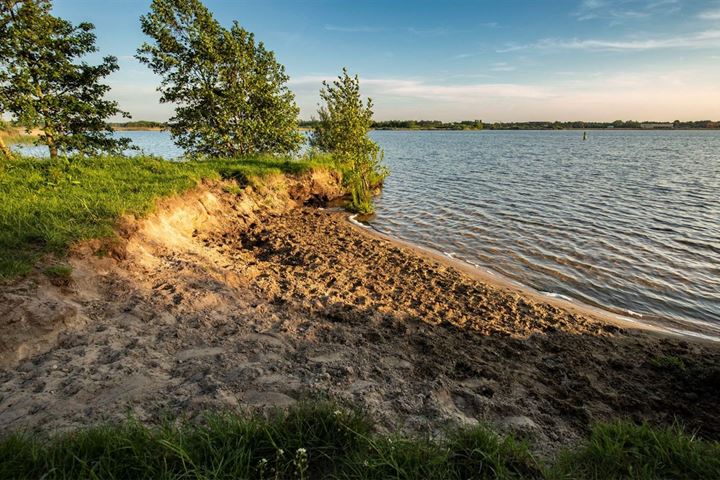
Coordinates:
(216,303)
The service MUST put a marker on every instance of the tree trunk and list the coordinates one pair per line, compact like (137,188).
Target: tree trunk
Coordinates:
(51,145)
(4,150)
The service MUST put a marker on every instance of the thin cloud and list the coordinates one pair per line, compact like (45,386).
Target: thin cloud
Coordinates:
(433,91)
(706,39)
(710,15)
(619,11)
(422,32)
(502,67)
(354,29)
(462,56)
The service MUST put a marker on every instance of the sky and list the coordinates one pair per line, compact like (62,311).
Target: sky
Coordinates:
(509,60)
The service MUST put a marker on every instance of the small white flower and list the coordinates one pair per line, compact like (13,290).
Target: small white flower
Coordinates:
(301,451)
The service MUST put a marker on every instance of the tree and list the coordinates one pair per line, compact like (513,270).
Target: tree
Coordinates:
(231,93)
(43,83)
(342,130)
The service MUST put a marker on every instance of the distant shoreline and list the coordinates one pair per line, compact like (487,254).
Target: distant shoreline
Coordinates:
(306,129)
(542,129)
(138,129)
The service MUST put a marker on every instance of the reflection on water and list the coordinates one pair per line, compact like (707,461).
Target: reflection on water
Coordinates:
(627,220)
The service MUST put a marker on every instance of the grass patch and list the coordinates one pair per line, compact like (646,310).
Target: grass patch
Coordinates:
(626,450)
(320,440)
(670,362)
(59,273)
(46,205)
(309,441)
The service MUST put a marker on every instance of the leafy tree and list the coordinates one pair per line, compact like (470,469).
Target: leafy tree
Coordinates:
(231,93)
(342,130)
(44,84)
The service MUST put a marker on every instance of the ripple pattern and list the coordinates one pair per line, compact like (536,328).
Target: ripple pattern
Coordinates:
(628,221)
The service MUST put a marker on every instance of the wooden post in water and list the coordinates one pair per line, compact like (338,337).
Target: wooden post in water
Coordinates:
(584,136)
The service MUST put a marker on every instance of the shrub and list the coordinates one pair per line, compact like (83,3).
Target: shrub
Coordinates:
(343,131)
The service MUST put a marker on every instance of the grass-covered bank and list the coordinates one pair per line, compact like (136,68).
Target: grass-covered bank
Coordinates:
(322,441)
(46,205)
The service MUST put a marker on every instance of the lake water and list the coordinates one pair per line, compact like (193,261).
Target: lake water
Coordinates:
(628,221)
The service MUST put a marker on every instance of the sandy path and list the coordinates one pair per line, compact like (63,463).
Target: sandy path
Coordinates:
(272,308)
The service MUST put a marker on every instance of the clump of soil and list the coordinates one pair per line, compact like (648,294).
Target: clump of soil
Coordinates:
(256,301)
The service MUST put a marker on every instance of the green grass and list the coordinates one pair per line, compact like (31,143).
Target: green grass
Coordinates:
(321,440)
(47,205)
(626,450)
(59,273)
(669,362)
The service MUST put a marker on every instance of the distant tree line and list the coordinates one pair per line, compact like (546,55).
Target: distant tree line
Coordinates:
(479,125)
(413,125)
(139,125)
(626,124)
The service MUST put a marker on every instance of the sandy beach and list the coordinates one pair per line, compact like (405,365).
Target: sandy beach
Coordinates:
(262,299)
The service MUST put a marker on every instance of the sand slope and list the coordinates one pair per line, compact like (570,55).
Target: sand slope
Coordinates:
(259,300)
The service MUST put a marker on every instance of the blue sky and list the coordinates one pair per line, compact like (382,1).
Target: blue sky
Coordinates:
(451,60)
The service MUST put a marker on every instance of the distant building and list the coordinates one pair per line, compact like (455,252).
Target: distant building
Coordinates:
(651,126)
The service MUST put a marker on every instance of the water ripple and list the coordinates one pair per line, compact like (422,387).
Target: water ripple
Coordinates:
(629,221)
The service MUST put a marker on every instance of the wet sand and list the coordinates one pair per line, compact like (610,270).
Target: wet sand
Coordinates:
(214,305)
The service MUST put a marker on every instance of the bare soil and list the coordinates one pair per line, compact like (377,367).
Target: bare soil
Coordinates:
(259,300)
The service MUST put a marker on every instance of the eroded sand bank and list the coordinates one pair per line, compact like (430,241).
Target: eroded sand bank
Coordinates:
(260,299)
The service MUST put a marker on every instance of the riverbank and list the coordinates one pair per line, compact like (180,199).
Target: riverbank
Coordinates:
(249,298)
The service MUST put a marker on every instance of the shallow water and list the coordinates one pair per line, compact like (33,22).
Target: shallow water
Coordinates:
(628,220)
